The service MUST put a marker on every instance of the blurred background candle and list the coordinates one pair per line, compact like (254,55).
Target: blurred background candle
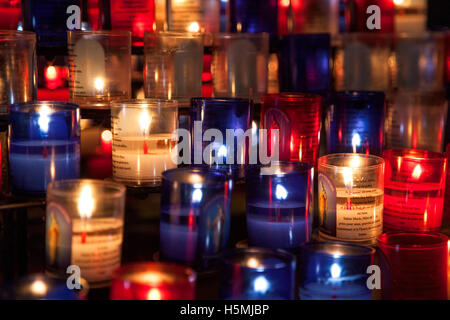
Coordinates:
(99,67)
(356,15)
(44,144)
(254,16)
(335,271)
(304,63)
(362,62)
(351,197)
(173,69)
(153,281)
(84,227)
(355,122)
(142,140)
(193,15)
(416,119)
(414,190)
(220,114)
(279,204)
(298,135)
(195,214)
(257,274)
(410,16)
(239,65)
(413,266)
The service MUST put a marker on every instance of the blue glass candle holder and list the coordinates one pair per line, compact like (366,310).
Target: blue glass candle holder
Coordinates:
(254,16)
(220,114)
(195,215)
(355,122)
(279,204)
(44,144)
(304,63)
(335,271)
(257,274)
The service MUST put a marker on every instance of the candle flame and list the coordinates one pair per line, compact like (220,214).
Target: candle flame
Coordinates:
(154,294)
(194,27)
(144,120)
(417,172)
(252,263)
(99,84)
(39,287)
(106,136)
(348,177)
(86,202)
(44,119)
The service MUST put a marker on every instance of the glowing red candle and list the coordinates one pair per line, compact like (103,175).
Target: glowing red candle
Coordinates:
(153,281)
(357,16)
(413,266)
(413,190)
(297,117)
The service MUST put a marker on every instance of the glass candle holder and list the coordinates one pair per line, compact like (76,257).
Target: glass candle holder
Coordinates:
(136,16)
(99,67)
(419,61)
(42,287)
(298,136)
(304,63)
(220,114)
(315,16)
(153,281)
(357,16)
(44,144)
(142,140)
(351,188)
(49,19)
(361,62)
(355,122)
(411,16)
(193,16)
(416,120)
(10,14)
(257,274)
(195,215)
(414,190)
(254,16)
(239,65)
(84,227)
(446,212)
(335,271)
(279,201)
(18,68)
(414,266)
(173,66)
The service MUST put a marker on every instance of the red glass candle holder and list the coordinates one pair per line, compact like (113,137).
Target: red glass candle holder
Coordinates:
(356,15)
(153,281)
(414,186)
(413,266)
(446,214)
(297,117)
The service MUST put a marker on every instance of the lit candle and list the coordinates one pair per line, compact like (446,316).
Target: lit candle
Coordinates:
(85,228)
(153,281)
(142,140)
(44,145)
(351,197)
(193,15)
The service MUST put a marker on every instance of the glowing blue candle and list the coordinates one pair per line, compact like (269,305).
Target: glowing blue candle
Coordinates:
(44,145)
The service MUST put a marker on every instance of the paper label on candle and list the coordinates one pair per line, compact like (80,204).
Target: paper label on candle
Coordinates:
(327,205)
(58,237)
(359,213)
(96,247)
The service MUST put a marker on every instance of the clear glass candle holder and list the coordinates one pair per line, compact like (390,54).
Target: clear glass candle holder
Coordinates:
(279,201)
(414,190)
(84,228)
(362,62)
(257,274)
(416,119)
(44,145)
(153,281)
(413,266)
(357,15)
(18,68)
(355,122)
(193,16)
(299,137)
(335,271)
(351,189)
(142,140)
(239,65)
(195,215)
(304,63)
(99,67)
(221,114)
(173,66)
(419,61)
(315,16)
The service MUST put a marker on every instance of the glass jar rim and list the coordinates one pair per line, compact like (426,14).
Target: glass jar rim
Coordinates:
(221,100)
(440,240)
(429,34)
(414,155)
(285,259)
(112,33)
(174,34)
(292,96)
(355,94)
(23,107)
(379,161)
(8,35)
(56,187)
(347,250)
(238,35)
(220,177)
(150,103)
(297,168)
